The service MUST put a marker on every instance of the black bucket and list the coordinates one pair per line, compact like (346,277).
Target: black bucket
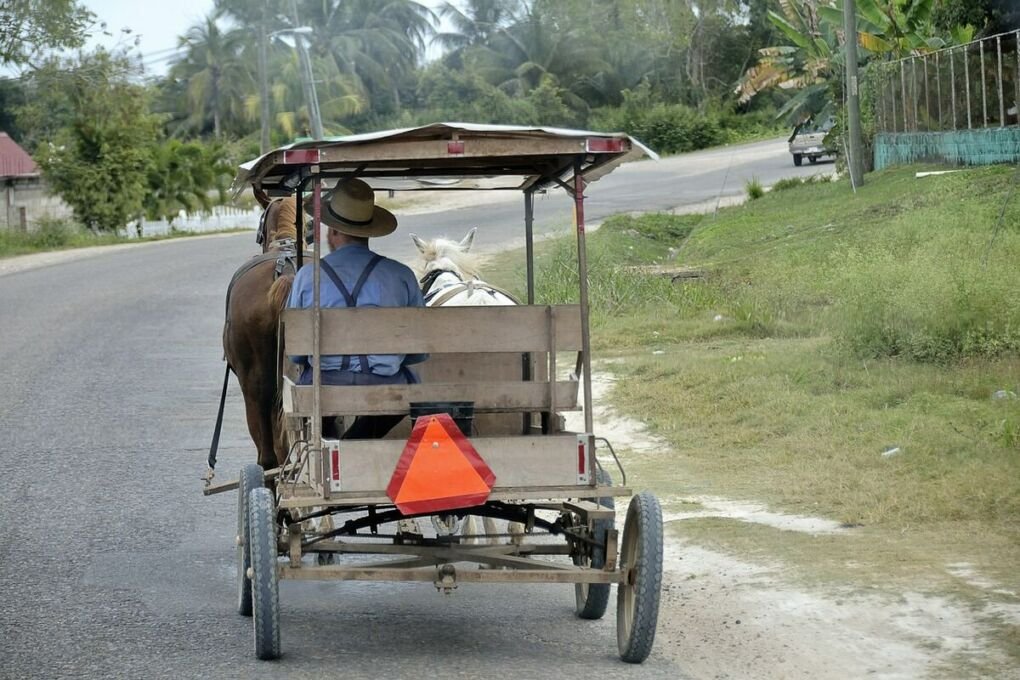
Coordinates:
(462,412)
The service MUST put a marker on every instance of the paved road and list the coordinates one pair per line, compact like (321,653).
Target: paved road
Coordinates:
(673,182)
(112,564)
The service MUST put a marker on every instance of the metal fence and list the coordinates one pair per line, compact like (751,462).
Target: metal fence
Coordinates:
(965,87)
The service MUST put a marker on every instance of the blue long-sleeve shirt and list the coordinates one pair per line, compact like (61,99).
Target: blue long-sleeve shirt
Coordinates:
(391,284)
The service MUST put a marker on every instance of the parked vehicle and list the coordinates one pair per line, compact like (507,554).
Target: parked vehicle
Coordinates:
(808,141)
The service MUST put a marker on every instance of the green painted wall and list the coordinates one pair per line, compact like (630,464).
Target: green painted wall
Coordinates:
(960,147)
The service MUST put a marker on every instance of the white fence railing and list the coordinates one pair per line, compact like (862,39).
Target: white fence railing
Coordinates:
(964,87)
(219,218)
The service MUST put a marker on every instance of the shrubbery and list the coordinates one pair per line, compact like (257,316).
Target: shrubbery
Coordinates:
(675,128)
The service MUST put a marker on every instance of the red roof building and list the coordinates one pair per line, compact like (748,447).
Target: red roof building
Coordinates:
(15,161)
(24,197)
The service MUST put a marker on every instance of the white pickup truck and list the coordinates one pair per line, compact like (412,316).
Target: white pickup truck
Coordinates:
(808,141)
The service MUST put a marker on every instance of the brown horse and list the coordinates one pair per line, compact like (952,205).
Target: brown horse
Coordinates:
(257,294)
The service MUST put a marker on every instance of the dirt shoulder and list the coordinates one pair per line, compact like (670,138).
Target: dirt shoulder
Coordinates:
(731,612)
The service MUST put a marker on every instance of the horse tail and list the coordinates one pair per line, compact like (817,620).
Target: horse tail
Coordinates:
(279,292)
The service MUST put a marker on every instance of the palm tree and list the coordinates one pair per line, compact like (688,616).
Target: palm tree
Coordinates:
(474,25)
(375,44)
(216,77)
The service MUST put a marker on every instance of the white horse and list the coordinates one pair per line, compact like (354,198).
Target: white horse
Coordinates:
(451,275)
(451,279)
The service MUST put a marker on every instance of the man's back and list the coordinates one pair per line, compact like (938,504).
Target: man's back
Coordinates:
(388,284)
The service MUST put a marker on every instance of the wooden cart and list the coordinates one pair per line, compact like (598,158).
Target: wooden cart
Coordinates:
(335,498)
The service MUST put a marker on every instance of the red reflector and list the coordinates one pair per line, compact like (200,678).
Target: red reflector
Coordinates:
(455,148)
(582,459)
(299,156)
(336,466)
(603,145)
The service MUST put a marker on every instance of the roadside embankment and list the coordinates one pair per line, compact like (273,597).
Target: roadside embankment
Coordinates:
(850,359)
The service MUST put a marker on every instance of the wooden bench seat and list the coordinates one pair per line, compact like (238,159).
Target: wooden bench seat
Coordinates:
(476,355)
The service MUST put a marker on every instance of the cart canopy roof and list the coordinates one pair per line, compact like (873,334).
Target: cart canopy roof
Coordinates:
(445,156)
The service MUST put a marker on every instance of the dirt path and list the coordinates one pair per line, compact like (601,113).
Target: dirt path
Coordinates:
(723,617)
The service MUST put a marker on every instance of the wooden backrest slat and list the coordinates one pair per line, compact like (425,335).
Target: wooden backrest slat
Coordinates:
(434,330)
(488,397)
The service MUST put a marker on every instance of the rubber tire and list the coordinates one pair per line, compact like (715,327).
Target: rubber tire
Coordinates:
(265,580)
(637,603)
(251,477)
(797,159)
(813,159)
(591,600)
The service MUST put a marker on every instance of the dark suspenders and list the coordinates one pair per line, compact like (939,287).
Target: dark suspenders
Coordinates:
(351,298)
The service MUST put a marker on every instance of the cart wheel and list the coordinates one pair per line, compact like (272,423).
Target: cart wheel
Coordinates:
(637,601)
(251,478)
(264,581)
(592,599)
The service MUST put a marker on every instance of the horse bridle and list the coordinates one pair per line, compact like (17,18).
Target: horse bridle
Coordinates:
(426,282)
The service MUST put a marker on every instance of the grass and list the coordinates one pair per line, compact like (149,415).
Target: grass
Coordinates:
(60,235)
(782,346)
(754,189)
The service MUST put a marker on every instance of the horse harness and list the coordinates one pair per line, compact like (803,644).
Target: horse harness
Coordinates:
(440,296)
(285,256)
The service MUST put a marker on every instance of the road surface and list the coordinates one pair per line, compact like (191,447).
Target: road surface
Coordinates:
(112,564)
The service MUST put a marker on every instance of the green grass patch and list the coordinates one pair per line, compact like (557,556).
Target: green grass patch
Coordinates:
(781,347)
(62,235)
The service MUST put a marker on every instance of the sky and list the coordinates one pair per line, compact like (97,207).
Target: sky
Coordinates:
(156,24)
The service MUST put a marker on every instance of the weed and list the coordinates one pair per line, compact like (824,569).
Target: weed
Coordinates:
(754,188)
(787,183)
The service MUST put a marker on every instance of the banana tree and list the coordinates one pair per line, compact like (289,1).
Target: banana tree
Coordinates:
(806,63)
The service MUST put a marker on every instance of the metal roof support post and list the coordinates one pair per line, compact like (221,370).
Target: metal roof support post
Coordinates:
(1016,78)
(299,228)
(582,272)
(529,241)
(529,248)
(324,475)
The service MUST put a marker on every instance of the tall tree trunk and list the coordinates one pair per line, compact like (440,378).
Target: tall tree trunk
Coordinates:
(216,104)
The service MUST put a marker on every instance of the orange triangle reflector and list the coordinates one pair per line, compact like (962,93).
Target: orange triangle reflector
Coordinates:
(439,470)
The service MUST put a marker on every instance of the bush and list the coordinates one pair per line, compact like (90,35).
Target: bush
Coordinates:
(754,188)
(51,233)
(787,183)
(666,128)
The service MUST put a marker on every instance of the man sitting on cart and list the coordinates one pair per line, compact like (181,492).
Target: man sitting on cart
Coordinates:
(354,276)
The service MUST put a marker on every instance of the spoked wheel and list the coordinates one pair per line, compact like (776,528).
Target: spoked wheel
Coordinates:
(637,600)
(592,599)
(264,579)
(251,478)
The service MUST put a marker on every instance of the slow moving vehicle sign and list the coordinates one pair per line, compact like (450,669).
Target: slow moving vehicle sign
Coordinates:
(439,470)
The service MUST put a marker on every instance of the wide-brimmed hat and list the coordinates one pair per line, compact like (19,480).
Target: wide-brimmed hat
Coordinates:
(350,209)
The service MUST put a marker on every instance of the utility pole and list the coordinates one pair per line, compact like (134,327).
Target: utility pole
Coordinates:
(307,77)
(853,102)
(263,67)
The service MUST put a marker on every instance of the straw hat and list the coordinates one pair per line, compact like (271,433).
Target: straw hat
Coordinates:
(350,209)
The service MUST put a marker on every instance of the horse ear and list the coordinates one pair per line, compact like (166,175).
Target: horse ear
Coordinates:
(418,242)
(465,243)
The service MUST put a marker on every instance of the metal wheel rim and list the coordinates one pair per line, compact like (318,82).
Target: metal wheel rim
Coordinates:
(630,554)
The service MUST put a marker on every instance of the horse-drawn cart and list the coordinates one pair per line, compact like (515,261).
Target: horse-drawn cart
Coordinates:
(336,498)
